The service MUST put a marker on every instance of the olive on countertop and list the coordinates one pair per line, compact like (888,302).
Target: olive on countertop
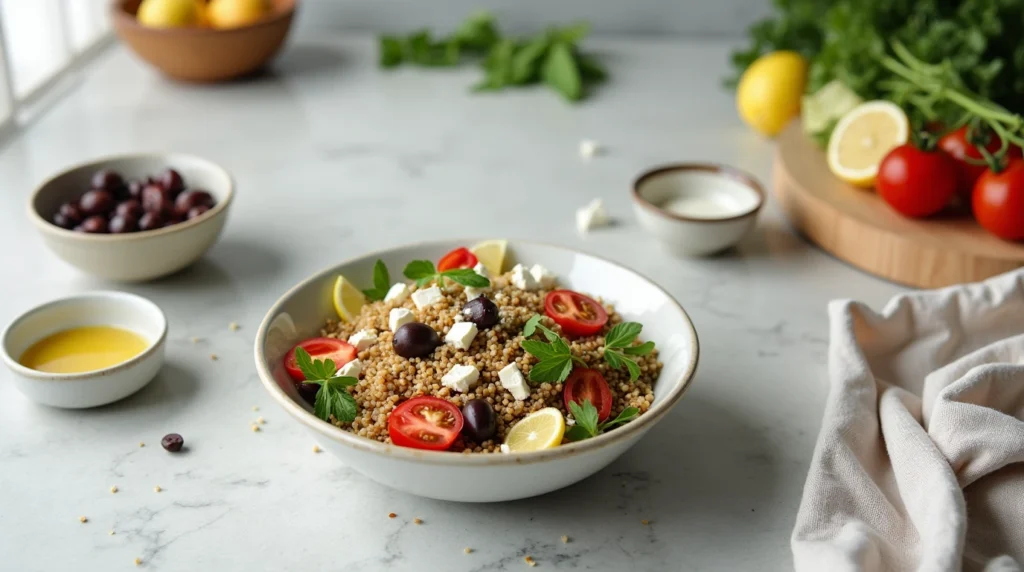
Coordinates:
(172,442)
(482,312)
(96,202)
(480,422)
(415,340)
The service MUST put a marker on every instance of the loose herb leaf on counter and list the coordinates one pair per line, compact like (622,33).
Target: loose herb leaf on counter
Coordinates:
(333,399)
(423,272)
(586,418)
(619,348)
(554,357)
(381,282)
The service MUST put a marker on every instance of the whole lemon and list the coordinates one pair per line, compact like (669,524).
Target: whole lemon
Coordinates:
(235,13)
(769,92)
(169,13)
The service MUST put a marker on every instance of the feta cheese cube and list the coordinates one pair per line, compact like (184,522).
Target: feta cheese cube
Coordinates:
(542,275)
(512,379)
(461,378)
(352,369)
(473,293)
(362,339)
(505,449)
(398,317)
(397,293)
(591,216)
(589,148)
(426,297)
(461,335)
(522,279)
(481,269)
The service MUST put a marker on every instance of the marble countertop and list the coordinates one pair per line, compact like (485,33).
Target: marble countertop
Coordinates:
(333,158)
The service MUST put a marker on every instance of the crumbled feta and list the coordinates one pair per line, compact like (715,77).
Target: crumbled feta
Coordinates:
(505,449)
(512,379)
(362,339)
(498,297)
(473,293)
(461,335)
(426,297)
(351,369)
(461,378)
(481,269)
(398,317)
(522,279)
(589,148)
(458,318)
(591,216)
(542,275)
(569,421)
(398,293)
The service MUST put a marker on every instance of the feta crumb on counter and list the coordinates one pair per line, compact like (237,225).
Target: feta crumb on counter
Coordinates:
(461,378)
(398,293)
(589,148)
(522,279)
(426,297)
(362,339)
(512,379)
(591,216)
(398,317)
(461,335)
(542,275)
(351,369)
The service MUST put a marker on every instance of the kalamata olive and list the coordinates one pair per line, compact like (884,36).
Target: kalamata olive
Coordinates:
(107,180)
(155,199)
(172,442)
(414,340)
(482,312)
(151,221)
(121,223)
(71,211)
(94,225)
(307,391)
(135,189)
(96,202)
(171,181)
(62,221)
(196,211)
(188,200)
(480,423)
(131,207)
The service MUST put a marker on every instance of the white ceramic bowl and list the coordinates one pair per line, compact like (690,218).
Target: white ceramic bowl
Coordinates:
(136,256)
(301,312)
(697,209)
(89,389)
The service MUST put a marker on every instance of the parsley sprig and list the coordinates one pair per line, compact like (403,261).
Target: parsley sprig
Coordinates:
(587,424)
(554,357)
(381,282)
(619,348)
(333,399)
(423,272)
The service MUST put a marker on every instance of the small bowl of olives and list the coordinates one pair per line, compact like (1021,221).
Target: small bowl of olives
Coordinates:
(133,217)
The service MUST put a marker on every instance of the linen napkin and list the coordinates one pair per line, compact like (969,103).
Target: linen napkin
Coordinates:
(920,461)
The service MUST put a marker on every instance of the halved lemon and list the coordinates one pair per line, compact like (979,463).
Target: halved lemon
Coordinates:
(348,300)
(537,431)
(863,137)
(491,253)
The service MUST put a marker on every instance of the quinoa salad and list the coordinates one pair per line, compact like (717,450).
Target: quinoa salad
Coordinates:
(467,357)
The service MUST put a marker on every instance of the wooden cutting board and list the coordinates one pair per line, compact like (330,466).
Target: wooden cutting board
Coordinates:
(857,226)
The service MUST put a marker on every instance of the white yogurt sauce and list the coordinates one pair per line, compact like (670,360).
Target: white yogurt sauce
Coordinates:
(706,206)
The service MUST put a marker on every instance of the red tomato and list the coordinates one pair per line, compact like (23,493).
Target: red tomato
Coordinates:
(998,201)
(955,143)
(588,384)
(425,423)
(578,315)
(458,258)
(340,351)
(916,183)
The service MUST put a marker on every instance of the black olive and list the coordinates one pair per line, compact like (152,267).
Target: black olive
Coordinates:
(107,180)
(172,442)
(415,340)
(96,202)
(308,391)
(480,422)
(122,223)
(482,312)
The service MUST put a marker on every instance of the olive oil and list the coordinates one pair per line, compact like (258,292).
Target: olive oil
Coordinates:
(84,349)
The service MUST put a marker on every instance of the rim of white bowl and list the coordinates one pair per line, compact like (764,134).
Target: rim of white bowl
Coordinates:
(12,362)
(717,169)
(645,421)
(47,226)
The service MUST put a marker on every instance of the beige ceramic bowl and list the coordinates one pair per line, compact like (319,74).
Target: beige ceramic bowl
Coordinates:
(136,256)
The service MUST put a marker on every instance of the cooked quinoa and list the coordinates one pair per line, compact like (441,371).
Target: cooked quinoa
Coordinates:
(389,379)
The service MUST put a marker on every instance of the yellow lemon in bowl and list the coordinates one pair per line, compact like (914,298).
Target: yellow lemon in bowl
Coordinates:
(169,13)
(769,92)
(235,13)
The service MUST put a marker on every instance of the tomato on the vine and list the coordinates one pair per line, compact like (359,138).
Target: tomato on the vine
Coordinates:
(959,146)
(998,201)
(915,182)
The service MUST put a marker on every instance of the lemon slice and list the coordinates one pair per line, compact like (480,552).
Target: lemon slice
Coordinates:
(537,431)
(863,137)
(491,253)
(347,299)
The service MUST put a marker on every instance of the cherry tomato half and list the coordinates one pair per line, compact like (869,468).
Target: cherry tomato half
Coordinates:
(955,143)
(588,385)
(340,351)
(916,183)
(425,423)
(458,258)
(998,201)
(578,315)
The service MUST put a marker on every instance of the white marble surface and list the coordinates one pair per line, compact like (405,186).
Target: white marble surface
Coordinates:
(332,158)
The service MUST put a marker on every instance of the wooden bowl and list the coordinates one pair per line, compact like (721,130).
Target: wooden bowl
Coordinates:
(205,54)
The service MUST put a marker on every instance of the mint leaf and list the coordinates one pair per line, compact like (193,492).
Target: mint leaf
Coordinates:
(572,34)
(640,350)
(467,277)
(305,363)
(419,270)
(627,415)
(381,282)
(591,70)
(634,369)
(391,51)
(577,433)
(585,415)
(531,325)
(618,348)
(478,32)
(560,72)
(526,60)
(541,350)
(333,398)
(552,369)
(622,335)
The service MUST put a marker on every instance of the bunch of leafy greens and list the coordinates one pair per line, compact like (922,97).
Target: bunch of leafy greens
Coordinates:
(552,56)
(333,398)
(846,40)
(587,424)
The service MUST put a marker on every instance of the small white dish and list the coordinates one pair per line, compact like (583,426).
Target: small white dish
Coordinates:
(697,209)
(93,388)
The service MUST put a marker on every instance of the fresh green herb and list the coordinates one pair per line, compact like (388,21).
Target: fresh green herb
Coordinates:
(587,425)
(423,272)
(333,399)
(554,357)
(619,348)
(381,282)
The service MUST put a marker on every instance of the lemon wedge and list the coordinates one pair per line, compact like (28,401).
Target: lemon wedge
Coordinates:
(491,253)
(348,300)
(863,137)
(537,431)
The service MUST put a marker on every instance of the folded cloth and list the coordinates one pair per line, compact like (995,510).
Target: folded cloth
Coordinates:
(920,460)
